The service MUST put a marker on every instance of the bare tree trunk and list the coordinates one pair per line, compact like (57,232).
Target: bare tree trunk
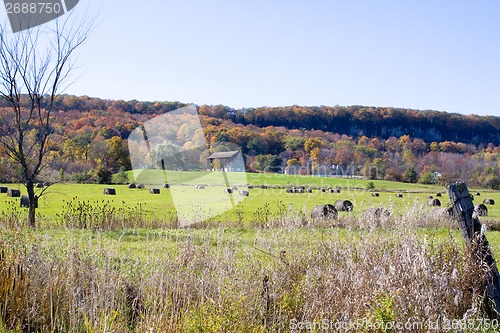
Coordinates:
(32,203)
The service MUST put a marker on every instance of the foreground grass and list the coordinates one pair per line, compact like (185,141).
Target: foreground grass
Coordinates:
(218,279)
(120,264)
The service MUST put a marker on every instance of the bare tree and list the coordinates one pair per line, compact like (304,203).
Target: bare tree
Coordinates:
(35,67)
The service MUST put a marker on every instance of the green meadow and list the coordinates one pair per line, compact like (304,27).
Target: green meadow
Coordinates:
(59,199)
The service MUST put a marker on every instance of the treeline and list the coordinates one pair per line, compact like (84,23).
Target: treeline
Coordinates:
(89,141)
(370,121)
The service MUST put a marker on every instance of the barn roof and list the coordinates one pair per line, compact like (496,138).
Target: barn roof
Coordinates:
(223,154)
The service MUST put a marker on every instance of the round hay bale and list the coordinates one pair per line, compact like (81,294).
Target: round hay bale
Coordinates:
(250,186)
(243,193)
(289,190)
(323,189)
(430,197)
(234,188)
(481,210)
(154,191)
(3,189)
(166,185)
(337,190)
(478,194)
(109,191)
(40,185)
(434,203)
(25,201)
(488,201)
(377,215)
(132,185)
(200,187)
(141,186)
(309,190)
(264,187)
(298,190)
(439,195)
(327,211)
(331,190)
(229,190)
(343,206)
(375,194)
(14,193)
(442,213)
(399,195)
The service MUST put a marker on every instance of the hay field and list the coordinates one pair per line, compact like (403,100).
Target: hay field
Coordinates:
(63,198)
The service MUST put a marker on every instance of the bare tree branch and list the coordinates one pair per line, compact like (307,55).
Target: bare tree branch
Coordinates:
(33,67)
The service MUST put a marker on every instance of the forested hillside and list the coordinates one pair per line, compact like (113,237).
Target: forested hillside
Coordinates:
(372,122)
(89,140)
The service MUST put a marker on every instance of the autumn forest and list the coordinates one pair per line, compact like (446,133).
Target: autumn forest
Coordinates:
(89,141)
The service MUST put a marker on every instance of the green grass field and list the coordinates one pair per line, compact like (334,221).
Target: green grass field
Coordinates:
(61,198)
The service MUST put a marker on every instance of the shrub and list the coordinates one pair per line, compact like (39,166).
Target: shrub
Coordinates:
(120,177)
(426,178)
(102,175)
(82,177)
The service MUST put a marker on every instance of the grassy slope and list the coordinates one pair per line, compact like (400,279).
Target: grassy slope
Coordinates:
(215,178)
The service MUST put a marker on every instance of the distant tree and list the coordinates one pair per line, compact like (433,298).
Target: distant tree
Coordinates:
(344,156)
(256,146)
(294,143)
(426,178)
(315,155)
(363,141)
(293,162)
(392,144)
(419,146)
(103,175)
(410,175)
(369,171)
(447,147)
(312,143)
(274,141)
(118,153)
(62,175)
(99,153)
(409,158)
(393,175)
(434,146)
(405,142)
(167,156)
(493,182)
(268,163)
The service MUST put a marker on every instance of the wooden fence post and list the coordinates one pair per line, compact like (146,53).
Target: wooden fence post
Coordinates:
(470,226)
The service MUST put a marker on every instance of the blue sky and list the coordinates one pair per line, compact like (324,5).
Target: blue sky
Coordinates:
(439,55)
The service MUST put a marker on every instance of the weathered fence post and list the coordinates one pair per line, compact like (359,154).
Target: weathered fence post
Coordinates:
(470,226)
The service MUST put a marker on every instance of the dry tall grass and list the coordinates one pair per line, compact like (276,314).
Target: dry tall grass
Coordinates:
(228,286)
